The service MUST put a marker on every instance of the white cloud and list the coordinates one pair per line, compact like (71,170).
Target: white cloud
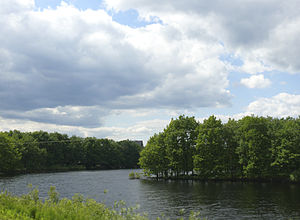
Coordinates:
(281,105)
(71,70)
(71,57)
(253,65)
(256,81)
(261,29)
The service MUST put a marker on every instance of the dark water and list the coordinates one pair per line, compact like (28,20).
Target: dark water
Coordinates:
(220,200)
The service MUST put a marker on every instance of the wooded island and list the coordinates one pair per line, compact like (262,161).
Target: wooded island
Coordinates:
(251,148)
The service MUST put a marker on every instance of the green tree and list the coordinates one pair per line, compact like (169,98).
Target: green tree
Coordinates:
(130,153)
(108,155)
(75,152)
(9,154)
(254,146)
(285,146)
(153,157)
(231,163)
(92,152)
(209,159)
(180,140)
(33,158)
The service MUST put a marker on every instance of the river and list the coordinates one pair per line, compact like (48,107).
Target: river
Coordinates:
(214,200)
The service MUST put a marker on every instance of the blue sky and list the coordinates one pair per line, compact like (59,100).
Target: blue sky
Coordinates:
(122,69)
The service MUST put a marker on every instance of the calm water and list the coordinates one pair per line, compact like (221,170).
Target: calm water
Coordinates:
(214,200)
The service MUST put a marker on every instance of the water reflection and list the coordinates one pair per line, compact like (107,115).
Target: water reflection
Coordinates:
(224,200)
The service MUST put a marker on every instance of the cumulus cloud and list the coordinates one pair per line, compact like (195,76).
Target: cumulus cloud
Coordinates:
(70,57)
(247,28)
(256,81)
(281,105)
(70,70)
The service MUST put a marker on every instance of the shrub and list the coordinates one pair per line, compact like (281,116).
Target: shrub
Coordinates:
(132,175)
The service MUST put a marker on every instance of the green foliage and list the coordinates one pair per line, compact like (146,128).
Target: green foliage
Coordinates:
(252,147)
(10,155)
(180,140)
(137,175)
(209,159)
(153,157)
(130,153)
(132,175)
(29,207)
(42,151)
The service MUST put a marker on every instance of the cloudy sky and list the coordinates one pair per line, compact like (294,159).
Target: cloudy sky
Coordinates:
(122,69)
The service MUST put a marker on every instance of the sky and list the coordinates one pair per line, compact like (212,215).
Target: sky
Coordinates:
(121,69)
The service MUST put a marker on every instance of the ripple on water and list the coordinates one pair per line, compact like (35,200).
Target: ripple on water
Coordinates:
(220,200)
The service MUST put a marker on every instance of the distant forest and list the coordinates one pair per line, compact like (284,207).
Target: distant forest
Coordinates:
(251,148)
(42,151)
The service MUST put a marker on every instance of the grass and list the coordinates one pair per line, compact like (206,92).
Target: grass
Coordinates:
(30,206)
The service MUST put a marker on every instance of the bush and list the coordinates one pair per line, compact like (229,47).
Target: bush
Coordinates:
(132,175)
(137,175)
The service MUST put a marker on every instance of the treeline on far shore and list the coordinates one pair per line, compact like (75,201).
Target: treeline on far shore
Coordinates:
(252,148)
(41,151)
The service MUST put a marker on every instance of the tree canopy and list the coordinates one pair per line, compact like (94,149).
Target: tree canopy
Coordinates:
(43,151)
(252,147)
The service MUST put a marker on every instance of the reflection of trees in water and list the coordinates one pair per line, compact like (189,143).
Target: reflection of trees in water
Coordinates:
(227,199)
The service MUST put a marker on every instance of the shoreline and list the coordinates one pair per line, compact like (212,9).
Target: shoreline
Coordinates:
(239,180)
(58,170)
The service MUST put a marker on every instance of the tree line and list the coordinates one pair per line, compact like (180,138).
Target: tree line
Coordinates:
(43,151)
(250,148)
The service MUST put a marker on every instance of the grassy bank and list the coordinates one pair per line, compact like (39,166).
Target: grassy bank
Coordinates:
(30,206)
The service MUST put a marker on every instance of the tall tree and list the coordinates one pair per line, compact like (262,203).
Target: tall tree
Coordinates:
(9,154)
(254,146)
(209,159)
(33,157)
(285,147)
(153,157)
(180,140)
(231,163)
(130,153)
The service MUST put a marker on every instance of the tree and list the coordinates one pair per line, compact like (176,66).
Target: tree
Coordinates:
(33,158)
(92,152)
(153,157)
(75,152)
(285,147)
(254,146)
(130,153)
(9,154)
(209,159)
(231,159)
(180,137)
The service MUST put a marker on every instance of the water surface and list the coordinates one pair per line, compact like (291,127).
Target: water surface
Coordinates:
(214,200)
